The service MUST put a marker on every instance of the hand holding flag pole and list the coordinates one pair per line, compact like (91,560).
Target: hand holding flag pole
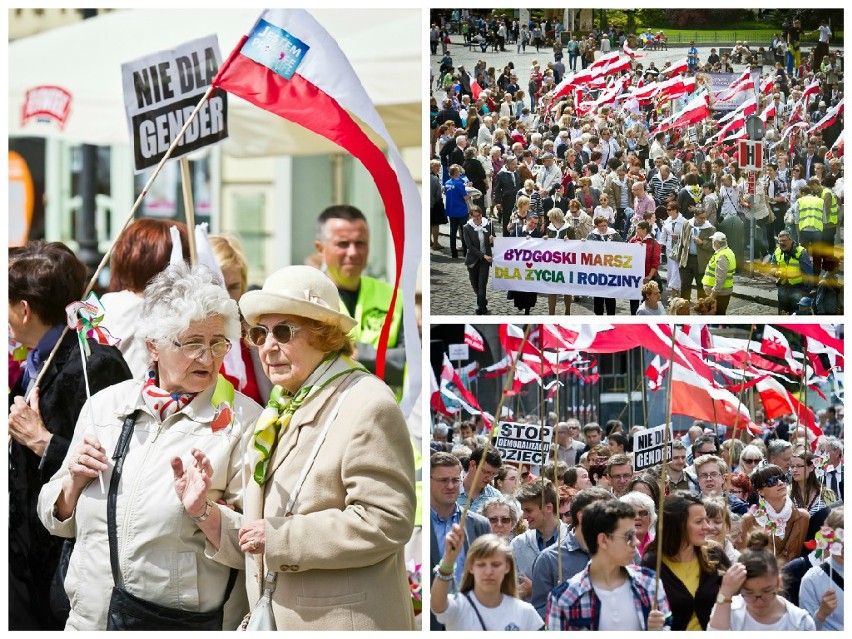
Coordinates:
(509,379)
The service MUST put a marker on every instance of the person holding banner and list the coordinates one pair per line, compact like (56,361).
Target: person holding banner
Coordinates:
(652,264)
(748,596)
(603,233)
(691,571)
(786,524)
(43,279)
(558,229)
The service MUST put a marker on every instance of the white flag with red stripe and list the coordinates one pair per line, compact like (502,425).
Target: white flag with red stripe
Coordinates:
(473,339)
(828,119)
(290,65)
(656,373)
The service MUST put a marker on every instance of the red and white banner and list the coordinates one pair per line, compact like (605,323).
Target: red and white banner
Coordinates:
(656,373)
(290,65)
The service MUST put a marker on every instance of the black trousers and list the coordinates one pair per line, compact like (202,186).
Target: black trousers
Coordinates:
(478,273)
(722,304)
(689,273)
(601,303)
(456,223)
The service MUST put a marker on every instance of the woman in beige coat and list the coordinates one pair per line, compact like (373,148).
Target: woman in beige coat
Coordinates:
(330,499)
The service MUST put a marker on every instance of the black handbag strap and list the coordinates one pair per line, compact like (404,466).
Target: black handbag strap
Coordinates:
(837,579)
(112,499)
(476,610)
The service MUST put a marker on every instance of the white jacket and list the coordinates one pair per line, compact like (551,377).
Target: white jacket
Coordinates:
(161,550)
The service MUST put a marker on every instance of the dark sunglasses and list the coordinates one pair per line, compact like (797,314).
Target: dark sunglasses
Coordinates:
(772,482)
(282,333)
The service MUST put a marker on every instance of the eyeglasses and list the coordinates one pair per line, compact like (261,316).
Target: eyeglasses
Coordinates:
(765,596)
(621,477)
(448,481)
(773,481)
(282,332)
(194,350)
(642,513)
(756,460)
(629,536)
(500,520)
(709,475)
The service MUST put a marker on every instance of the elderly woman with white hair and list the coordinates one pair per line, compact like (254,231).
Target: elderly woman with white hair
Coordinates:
(115,492)
(503,513)
(330,499)
(646,517)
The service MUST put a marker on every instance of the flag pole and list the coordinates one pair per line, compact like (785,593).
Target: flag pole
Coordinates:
(189,207)
(803,389)
(727,516)
(127,222)
(555,483)
(664,473)
(509,379)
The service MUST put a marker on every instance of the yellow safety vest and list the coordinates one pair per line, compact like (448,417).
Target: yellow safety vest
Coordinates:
(371,308)
(710,272)
(790,271)
(832,211)
(810,213)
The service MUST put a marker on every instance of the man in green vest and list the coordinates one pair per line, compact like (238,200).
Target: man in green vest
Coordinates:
(830,228)
(343,245)
(718,278)
(812,218)
(792,268)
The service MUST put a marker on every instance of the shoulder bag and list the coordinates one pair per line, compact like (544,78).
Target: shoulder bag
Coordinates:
(127,611)
(262,617)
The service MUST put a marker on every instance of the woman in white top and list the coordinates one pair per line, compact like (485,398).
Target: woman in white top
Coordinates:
(748,598)
(488,595)
(558,229)
(651,300)
(729,196)
(797,181)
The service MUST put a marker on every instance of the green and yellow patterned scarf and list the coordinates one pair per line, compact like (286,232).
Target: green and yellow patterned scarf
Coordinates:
(275,418)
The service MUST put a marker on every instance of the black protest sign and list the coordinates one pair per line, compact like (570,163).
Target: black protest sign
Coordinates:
(160,92)
(648,447)
(524,443)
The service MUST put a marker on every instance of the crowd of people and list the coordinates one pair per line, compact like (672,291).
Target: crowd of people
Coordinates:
(150,489)
(581,167)
(743,540)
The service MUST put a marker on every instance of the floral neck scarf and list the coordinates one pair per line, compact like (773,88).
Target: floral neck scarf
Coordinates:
(276,417)
(163,404)
(774,522)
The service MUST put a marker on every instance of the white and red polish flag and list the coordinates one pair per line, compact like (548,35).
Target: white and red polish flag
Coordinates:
(680,66)
(473,339)
(290,65)
(656,373)
(828,119)
(449,375)
(628,51)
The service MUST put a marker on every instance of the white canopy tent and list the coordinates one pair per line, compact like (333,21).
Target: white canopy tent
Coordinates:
(85,59)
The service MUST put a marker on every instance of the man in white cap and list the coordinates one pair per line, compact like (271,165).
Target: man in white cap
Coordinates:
(549,175)
(343,245)
(718,278)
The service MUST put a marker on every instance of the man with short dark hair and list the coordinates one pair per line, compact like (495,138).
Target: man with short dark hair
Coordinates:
(711,471)
(610,593)
(483,490)
(592,433)
(546,573)
(343,245)
(619,469)
(540,505)
(677,478)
